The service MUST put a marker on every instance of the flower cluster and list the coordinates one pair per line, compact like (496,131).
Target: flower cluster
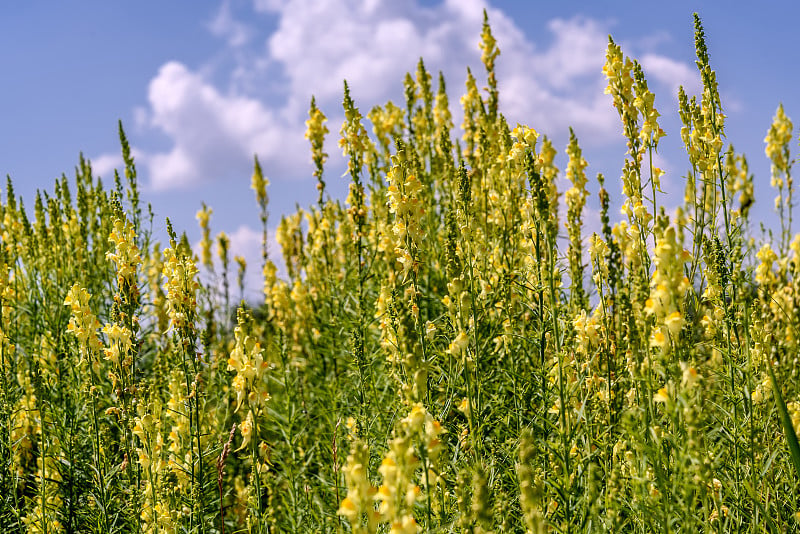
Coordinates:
(181,287)
(576,199)
(83,323)
(668,287)
(126,253)
(358,506)
(387,125)
(777,141)
(247,360)
(203,218)
(405,202)
(354,141)
(399,490)
(315,133)
(119,344)
(619,73)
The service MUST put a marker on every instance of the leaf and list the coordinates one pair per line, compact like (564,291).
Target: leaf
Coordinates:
(786,421)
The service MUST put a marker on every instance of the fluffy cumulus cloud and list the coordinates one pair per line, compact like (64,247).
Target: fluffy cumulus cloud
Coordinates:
(672,73)
(561,85)
(105,164)
(215,121)
(370,43)
(212,132)
(226,26)
(373,44)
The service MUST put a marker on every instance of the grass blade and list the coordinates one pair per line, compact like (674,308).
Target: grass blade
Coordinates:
(786,421)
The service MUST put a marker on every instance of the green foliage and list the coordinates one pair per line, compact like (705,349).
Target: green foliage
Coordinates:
(432,360)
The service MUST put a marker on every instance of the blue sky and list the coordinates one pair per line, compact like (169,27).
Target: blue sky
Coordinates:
(202,86)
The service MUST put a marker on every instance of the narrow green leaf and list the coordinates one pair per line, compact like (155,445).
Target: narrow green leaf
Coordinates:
(786,420)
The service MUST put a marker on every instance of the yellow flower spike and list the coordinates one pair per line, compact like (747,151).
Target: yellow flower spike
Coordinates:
(246,429)
(690,376)
(459,344)
(83,323)
(674,323)
(658,339)
(348,509)
(416,418)
(181,287)
(430,330)
(777,140)
(259,184)
(223,246)
(662,396)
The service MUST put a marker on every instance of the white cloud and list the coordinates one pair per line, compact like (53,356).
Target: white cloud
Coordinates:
(550,85)
(562,85)
(104,164)
(578,51)
(373,44)
(267,6)
(224,25)
(321,43)
(214,135)
(672,73)
(246,242)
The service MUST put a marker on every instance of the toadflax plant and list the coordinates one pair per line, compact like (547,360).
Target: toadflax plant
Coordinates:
(446,352)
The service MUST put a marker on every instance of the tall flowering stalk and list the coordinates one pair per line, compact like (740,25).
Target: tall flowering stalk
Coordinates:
(489,53)
(359,150)
(633,101)
(777,150)
(203,218)
(442,120)
(315,133)
(415,445)
(668,287)
(250,387)
(241,270)
(702,134)
(181,288)
(474,109)
(223,254)
(358,507)
(650,132)
(259,185)
(406,203)
(122,343)
(422,118)
(84,325)
(158,511)
(576,200)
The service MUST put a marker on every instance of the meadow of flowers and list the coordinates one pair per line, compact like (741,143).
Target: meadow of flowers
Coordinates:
(445,353)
